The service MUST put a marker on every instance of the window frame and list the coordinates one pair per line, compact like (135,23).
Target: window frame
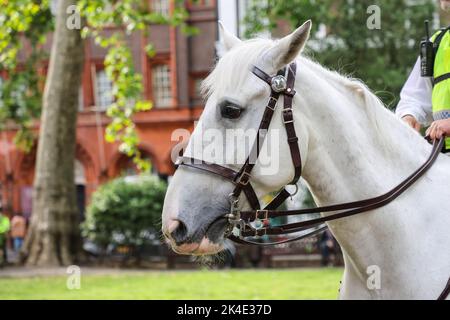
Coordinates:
(97,66)
(151,7)
(170,102)
(159,59)
(200,5)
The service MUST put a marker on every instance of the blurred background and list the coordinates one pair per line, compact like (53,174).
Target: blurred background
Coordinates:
(91,192)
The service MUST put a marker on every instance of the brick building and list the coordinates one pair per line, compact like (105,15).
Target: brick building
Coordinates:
(171,80)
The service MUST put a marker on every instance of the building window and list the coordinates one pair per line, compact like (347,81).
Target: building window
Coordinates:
(161,6)
(103,90)
(202,3)
(161,86)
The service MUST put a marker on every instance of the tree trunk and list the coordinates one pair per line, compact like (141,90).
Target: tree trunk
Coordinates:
(54,237)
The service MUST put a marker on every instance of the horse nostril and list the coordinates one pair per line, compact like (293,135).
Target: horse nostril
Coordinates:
(179,233)
(172,226)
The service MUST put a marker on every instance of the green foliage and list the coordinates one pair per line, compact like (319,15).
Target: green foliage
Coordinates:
(123,212)
(128,16)
(382,58)
(20,94)
(22,21)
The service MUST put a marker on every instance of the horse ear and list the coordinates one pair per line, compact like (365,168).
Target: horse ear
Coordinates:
(228,39)
(288,48)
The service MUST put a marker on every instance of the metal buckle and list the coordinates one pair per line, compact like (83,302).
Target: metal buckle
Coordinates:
(268,104)
(234,216)
(285,111)
(244,183)
(265,212)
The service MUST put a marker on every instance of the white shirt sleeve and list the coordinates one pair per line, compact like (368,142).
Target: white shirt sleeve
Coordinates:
(415,97)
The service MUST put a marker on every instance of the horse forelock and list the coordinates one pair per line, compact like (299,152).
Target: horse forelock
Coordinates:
(234,67)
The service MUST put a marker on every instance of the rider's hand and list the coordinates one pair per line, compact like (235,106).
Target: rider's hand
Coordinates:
(412,122)
(438,129)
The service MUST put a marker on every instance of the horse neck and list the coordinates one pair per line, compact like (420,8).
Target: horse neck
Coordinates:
(356,147)
(357,150)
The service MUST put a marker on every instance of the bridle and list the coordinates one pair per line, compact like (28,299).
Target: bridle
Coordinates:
(280,84)
(251,223)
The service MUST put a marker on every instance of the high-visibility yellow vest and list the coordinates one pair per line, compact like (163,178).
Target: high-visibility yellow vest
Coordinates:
(441,77)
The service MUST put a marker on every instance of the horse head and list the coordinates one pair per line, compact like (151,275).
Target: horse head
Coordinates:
(193,215)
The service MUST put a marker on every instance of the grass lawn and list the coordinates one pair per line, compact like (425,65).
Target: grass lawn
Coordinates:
(230,284)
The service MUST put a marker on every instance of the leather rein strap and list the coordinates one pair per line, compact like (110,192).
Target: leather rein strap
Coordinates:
(352,208)
(240,222)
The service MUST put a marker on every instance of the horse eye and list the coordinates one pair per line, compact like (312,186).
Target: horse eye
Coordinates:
(230,111)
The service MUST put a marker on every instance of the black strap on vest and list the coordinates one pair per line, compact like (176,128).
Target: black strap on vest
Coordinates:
(436,44)
(441,78)
(438,39)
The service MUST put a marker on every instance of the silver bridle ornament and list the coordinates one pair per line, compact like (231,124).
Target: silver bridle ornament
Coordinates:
(279,83)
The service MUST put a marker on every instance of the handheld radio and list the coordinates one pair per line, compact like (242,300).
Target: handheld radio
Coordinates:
(426,54)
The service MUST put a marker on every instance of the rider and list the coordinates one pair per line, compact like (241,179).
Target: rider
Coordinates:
(421,102)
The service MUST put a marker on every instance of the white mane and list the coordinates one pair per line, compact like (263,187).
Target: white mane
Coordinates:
(381,118)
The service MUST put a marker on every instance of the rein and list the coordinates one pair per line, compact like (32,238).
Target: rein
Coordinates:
(251,223)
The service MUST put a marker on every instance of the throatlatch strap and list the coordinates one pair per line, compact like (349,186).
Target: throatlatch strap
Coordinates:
(278,200)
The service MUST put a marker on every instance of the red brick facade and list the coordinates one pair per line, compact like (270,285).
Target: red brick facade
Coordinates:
(189,60)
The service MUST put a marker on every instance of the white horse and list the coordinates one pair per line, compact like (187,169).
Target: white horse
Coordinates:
(352,148)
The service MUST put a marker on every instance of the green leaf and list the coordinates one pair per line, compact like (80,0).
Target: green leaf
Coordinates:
(143,105)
